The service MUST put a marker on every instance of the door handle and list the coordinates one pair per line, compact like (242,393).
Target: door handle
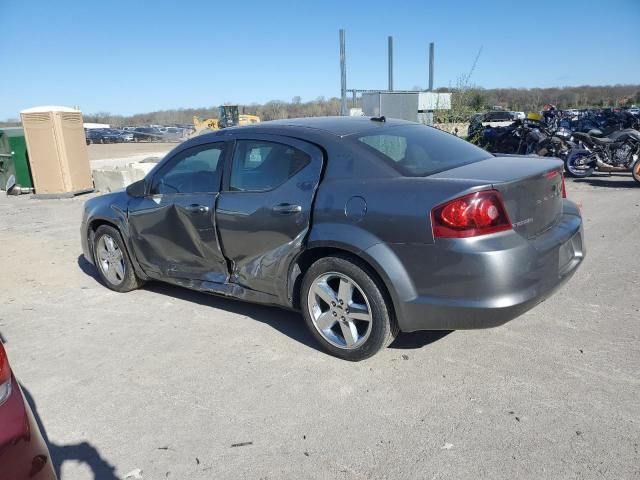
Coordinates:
(287,208)
(195,208)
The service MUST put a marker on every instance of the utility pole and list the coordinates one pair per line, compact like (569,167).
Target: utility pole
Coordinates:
(390,47)
(431,53)
(343,75)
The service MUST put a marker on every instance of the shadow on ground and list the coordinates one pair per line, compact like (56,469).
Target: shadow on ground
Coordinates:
(286,322)
(622,180)
(413,340)
(88,269)
(83,452)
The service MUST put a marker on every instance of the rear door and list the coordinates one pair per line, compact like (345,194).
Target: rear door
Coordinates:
(263,213)
(173,227)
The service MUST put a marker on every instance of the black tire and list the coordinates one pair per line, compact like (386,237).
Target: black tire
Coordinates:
(383,328)
(572,171)
(129,281)
(635,171)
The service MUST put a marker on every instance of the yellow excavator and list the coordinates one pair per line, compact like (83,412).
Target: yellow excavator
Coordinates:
(228,117)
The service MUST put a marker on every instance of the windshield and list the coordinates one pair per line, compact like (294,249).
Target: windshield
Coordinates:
(417,150)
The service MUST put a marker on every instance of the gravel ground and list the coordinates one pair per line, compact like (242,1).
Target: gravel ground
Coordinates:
(187,386)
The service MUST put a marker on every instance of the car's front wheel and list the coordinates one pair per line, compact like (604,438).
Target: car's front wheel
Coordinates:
(345,308)
(112,260)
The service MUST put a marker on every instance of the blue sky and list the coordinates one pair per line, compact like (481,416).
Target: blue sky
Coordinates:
(136,56)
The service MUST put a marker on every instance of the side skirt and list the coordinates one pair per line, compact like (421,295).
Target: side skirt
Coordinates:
(227,290)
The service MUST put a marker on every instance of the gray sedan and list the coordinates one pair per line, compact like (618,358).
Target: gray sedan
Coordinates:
(368,227)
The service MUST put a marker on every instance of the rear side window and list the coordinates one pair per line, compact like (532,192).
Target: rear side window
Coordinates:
(259,166)
(418,151)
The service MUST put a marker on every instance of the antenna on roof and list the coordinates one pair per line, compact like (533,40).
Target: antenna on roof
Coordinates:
(378,119)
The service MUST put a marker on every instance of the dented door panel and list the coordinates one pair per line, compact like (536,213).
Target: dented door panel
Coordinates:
(175,236)
(261,232)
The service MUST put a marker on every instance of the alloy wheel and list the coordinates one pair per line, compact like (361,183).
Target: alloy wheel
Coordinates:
(110,259)
(340,310)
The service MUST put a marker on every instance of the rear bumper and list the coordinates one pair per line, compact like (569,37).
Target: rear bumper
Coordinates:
(485,282)
(23,451)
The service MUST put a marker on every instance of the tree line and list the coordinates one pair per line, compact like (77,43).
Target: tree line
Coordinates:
(532,99)
(466,100)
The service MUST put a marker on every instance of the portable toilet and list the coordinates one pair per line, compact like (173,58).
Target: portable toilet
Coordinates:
(57,151)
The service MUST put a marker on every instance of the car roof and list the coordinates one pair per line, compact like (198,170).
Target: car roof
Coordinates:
(340,126)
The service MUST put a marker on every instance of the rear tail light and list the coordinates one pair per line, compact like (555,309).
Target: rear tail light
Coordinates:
(5,376)
(564,189)
(470,216)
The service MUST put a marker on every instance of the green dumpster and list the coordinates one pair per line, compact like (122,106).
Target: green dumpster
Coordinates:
(13,157)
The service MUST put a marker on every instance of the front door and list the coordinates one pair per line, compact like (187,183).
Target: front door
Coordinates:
(264,210)
(173,227)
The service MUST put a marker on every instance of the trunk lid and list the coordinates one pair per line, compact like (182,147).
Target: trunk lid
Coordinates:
(530,187)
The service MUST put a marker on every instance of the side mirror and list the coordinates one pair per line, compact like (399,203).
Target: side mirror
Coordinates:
(137,189)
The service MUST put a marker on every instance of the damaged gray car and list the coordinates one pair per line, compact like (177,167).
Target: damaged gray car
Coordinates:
(368,227)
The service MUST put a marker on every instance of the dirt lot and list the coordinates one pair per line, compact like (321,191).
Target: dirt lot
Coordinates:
(188,386)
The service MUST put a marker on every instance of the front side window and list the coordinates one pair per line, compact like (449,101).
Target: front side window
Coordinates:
(417,151)
(260,166)
(196,170)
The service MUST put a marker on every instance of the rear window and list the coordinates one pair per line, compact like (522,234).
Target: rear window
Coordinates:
(417,150)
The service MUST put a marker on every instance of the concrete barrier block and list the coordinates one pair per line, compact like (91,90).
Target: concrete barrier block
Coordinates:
(109,180)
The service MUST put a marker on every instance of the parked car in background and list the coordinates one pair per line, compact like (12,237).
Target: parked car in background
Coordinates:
(368,227)
(518,115)
(111,136)
(493,119)
(124,136)
(23,452)
(91,136)
(172,134)
(147,134)
(103,135)
(498,116)
(94,135)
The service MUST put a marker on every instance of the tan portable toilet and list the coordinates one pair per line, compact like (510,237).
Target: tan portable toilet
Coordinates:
(57,151)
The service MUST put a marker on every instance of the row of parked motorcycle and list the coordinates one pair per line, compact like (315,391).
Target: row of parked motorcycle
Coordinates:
(603,140)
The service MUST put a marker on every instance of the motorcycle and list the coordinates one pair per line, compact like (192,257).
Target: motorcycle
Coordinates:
(548,143)
(525,137)
(618,152)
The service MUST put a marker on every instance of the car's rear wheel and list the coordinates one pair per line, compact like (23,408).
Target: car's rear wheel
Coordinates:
(345,308)
(112,260)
